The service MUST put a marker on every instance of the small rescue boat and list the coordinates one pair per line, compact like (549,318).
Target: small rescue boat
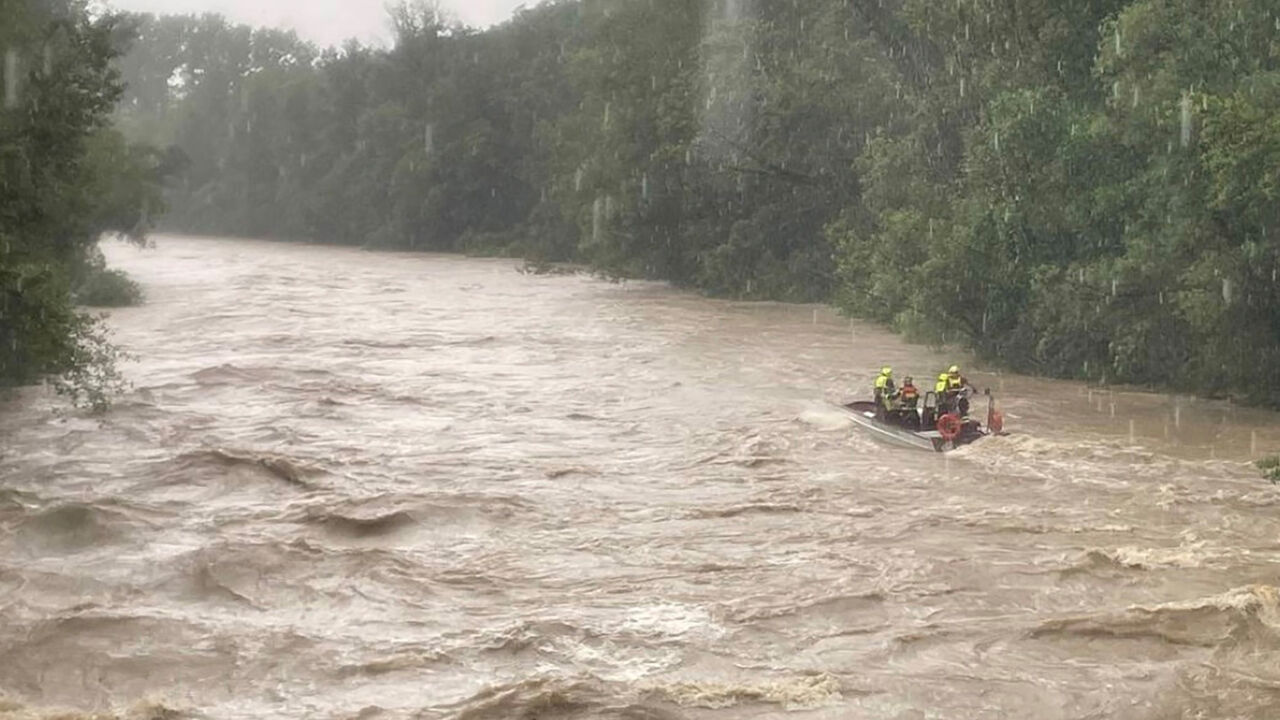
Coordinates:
(923,427)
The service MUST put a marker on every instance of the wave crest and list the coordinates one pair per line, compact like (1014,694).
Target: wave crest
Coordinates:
(805,692)
(1246,612)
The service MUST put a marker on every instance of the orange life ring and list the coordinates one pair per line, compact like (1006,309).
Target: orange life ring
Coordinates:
(949,427)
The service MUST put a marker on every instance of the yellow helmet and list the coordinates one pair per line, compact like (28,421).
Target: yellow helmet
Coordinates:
(886,370)
(954,370)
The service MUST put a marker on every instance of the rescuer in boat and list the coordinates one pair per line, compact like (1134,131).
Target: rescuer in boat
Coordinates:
(940,391)
(885,393)
(909,401)
(953,391)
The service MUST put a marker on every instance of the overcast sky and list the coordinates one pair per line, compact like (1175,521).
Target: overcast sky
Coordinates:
(327,22)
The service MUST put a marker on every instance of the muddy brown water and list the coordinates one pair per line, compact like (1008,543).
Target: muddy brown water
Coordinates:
(352,484)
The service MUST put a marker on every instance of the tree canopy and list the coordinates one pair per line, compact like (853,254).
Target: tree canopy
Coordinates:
(66,177)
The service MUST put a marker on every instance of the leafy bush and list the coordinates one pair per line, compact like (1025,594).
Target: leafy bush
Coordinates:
(42,336)
(92,375)
(109,288)
(488,244)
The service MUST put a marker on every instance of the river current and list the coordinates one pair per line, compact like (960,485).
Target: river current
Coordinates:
(361,485)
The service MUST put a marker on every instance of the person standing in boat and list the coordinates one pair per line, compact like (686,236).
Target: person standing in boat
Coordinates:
(953,390)
(909,393)
(940,390)
(885,393)
(909,401)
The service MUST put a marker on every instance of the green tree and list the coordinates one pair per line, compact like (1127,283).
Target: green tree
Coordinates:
(68,178)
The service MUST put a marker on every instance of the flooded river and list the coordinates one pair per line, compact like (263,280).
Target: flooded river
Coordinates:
(359,485)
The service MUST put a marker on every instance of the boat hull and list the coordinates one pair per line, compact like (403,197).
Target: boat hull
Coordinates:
(863,414)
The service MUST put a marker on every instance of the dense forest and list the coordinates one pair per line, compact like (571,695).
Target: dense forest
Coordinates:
(66,177)
(1078,188)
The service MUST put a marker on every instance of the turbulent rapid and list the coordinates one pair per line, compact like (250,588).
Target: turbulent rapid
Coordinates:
(349,484)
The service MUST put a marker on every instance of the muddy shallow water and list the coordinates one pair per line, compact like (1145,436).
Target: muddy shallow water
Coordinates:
(350,484)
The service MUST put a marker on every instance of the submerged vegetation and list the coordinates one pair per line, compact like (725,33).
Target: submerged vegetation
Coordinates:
(1079,188)
(66,177)
(1270,467)
(102,287)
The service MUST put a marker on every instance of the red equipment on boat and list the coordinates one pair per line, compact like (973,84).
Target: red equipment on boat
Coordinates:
(949,427)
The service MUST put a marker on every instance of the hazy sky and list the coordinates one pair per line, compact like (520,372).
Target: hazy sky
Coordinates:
(327,22)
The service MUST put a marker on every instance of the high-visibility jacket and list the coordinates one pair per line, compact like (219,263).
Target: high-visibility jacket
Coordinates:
(955,382)
(944,381)
(884,390)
